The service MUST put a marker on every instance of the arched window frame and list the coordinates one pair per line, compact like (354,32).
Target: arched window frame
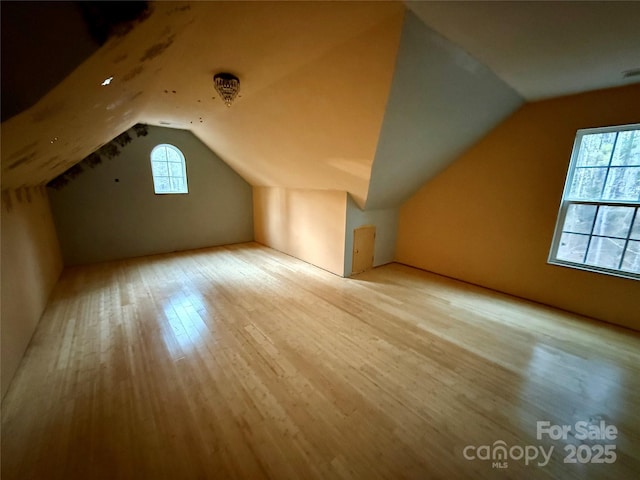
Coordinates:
(169,170)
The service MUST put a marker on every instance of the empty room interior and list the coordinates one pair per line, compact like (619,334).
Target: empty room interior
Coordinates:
(320,240)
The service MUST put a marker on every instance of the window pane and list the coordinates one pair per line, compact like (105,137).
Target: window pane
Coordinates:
(172,155)
(613,221)
(572,247)
(631,262)
(605,252)
(160,168)
(597,226)
(587,183)
(595,149)
(162,184)
(177,185)
(159,154)
(635,231)
(175,169)
(627,148)
(623,183)
(168,169)
(579,218)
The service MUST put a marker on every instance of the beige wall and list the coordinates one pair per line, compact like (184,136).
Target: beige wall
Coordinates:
(31,265)
(307,224)
(489,218)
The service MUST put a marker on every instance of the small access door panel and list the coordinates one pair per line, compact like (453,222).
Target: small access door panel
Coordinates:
(364,240)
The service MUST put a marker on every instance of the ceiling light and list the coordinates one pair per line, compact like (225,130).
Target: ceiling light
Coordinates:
(227,85)
(106,81)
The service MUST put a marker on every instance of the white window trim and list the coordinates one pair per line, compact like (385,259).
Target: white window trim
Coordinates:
(183,191)
(564,205)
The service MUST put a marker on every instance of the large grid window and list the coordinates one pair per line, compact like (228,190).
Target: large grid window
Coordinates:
(169,170)
(598,225)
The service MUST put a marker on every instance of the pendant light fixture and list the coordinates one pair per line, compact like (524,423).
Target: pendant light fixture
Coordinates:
(227,86)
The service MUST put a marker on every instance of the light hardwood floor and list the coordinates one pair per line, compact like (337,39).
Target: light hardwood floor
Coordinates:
(242,362)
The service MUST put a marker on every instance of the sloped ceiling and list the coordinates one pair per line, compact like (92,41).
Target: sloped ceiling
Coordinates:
(315,77)
(442,101)
(33,31)
(544,49)
(325,89)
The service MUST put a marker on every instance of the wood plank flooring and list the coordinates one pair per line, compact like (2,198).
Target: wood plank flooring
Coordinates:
(242,362)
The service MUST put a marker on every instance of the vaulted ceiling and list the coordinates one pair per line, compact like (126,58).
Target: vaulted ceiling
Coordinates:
(315,77)
(544,49)
(355,96)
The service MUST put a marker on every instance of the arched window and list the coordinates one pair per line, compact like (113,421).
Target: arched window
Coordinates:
(169,169)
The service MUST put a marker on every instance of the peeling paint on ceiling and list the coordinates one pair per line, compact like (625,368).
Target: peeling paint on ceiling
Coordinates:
(314,81)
